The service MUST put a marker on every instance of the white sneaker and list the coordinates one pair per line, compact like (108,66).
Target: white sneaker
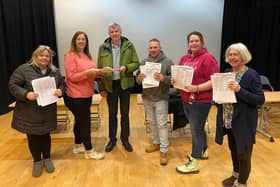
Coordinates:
(79,149)
(205,154)
(94,155)
(237,184)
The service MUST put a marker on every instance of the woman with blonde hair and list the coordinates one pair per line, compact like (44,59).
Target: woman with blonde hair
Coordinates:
(30,118)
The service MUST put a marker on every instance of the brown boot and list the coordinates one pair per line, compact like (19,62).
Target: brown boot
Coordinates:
(152,148)
(163,159)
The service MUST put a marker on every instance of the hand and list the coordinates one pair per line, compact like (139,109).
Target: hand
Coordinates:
(58,92)
(191,88)
(234,85)
(103,93)
(172,81)
(32,96)
(91,72)
(122,69)
(141,76)
(99,74)
(158,77)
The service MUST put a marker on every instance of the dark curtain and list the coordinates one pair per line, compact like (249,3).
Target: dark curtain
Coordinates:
(24,24)
(256,23)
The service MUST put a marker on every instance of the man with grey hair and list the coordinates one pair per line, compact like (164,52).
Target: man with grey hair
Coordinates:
(118,53)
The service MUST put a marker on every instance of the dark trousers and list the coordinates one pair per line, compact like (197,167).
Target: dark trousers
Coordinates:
(80,107)
(241,162)
(112,101)
(39,145)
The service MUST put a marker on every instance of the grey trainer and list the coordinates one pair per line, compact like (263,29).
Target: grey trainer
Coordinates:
(48,165)
(37,169)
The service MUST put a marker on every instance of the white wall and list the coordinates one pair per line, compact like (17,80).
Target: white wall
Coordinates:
(168,20)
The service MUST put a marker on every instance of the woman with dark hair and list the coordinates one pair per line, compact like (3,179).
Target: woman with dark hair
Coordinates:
(197,101)
(81,72)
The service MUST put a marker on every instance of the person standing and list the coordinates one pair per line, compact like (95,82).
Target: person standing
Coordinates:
(239,120)
(117,52)
(81,72)
(36,121)
(155,100)
(197,101)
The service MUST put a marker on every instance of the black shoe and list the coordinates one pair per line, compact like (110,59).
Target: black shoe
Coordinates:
(109,147)
(229,181)
(127,146)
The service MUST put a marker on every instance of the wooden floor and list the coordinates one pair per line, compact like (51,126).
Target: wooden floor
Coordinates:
(138,168)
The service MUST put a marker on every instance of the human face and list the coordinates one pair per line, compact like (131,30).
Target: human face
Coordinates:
(115,34)
(43,59)
(81,42)
(234,59)
(195,44)
(154,49)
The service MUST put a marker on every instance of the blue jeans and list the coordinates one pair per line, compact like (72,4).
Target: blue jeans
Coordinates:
(197,114)
(157,113)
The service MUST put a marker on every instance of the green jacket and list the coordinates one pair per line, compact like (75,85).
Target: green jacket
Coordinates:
(128,58)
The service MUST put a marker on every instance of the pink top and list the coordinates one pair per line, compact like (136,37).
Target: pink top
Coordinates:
(78,83)
(204,65)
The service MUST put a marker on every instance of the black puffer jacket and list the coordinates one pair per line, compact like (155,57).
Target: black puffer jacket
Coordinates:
(28,117)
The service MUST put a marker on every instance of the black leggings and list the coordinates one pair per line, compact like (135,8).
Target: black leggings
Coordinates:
(80,107)
(241,162)
(39,145)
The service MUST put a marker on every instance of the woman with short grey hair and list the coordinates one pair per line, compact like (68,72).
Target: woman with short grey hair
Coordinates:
(239,120)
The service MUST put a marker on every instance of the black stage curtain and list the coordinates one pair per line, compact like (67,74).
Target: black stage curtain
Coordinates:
(24,24)
(256,23)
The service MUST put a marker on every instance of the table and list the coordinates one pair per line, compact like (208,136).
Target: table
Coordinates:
(272,99)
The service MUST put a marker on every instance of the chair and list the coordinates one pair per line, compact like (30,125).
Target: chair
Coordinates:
(94,114)
(263,124)
(62,114)
(139,101)
(266,83)
(176,114)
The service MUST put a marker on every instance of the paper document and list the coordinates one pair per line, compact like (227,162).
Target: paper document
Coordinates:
(45,88)
(149,69)
(108,69)
(183,75)
(221,92)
